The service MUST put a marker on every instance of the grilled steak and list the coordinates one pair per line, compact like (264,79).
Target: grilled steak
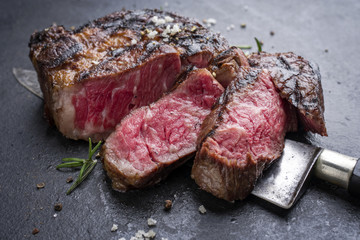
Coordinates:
(153,140)
(299,82)
(93,76)
(241,136)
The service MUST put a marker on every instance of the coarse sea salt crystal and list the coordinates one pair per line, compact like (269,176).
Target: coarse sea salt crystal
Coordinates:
(114,227)
(160,22)
(175,29)
(169,19)
(166,31)
(202,209)
(154,19)
(151,222)
(133,42)
(210,21)
(152,34)
(150,234)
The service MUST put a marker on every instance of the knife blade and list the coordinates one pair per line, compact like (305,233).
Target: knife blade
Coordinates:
(283,183)
(28,79)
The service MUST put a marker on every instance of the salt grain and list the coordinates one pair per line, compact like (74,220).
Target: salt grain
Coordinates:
(211,21)
(175,29)
(150,234)
(133,42)
(152,34)
(202,209)
(142,235)
(151,222)
(168,19)
(159,21)
(114,228)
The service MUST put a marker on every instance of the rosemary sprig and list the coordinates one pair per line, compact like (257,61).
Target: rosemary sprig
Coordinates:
(259,45)
(244,46)
(87,165)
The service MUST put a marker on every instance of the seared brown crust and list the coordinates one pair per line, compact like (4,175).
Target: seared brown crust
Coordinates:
(210,168)
(123,183)
(299,82)
(71,53)
(227,64)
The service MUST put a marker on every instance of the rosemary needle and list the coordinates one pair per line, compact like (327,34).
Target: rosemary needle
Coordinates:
(244,46)
(87,165)
(259,45)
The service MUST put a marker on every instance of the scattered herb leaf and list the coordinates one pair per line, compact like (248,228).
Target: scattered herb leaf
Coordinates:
(244,46)
(87,165)
(259,45)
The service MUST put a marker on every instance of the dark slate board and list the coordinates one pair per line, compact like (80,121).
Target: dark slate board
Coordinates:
(30,148)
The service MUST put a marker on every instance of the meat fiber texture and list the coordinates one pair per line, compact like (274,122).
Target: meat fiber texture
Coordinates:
(153,140)
(243,134)
(95,75)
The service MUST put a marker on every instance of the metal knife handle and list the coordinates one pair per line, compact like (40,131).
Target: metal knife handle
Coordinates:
(340,170)
(354,184)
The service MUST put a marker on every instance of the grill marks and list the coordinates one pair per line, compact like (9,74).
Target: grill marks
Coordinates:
(103,39)
(59,52)
(299,82)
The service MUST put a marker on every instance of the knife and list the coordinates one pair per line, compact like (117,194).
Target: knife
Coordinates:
(283,182)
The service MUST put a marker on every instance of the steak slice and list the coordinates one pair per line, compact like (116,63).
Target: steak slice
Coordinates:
(153,140)
(299,82)
(93,76)
(242,135)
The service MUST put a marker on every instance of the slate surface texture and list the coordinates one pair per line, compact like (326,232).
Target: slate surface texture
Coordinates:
(327,32)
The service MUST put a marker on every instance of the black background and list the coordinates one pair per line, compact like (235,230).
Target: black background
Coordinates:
(30,149)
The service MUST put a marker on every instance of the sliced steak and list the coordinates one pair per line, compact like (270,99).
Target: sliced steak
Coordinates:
(299,82)
(93,76)
(241,136)
(153,140)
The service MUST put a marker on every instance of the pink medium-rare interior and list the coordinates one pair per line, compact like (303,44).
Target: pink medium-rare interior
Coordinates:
(254,122)
(103,102)
(166,130)
(174,124)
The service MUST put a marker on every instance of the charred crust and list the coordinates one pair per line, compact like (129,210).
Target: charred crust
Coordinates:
(58,52)
(56,48)
(299,82)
